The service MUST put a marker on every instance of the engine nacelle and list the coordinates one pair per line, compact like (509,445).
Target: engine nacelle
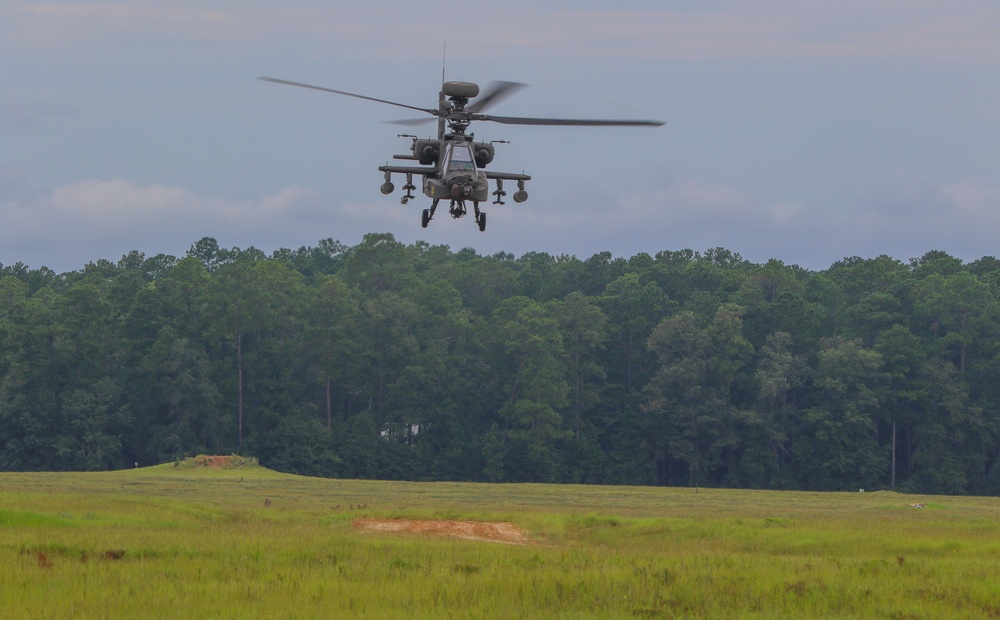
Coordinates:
(484,153)
(427,152)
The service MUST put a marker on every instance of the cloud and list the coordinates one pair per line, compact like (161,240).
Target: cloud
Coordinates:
(98,199)
(973,198)
(123,204)
(910,217)
(959,218)
(961,210)
(905,196)
(95,219)
(725,30)
(690,213)
(107,218)
(56,24)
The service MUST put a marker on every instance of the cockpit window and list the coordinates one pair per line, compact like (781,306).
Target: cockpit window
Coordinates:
(461,159)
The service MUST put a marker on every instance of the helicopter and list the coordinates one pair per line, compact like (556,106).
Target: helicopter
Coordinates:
(453,164)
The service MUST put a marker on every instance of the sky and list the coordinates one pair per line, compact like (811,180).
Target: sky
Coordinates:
(799,131)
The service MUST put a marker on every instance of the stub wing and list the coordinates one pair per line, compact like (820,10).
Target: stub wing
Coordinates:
(421,170)
(433,172)
(507,176)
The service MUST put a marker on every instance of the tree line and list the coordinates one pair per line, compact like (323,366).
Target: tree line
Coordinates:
(416,362)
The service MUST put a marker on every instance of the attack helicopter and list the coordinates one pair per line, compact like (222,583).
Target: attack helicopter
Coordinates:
(453,164)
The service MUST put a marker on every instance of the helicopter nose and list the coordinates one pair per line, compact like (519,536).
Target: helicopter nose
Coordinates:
(461,190)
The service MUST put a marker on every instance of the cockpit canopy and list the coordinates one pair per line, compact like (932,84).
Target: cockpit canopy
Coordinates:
(459,158)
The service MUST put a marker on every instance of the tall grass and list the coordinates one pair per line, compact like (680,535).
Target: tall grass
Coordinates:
(170,542)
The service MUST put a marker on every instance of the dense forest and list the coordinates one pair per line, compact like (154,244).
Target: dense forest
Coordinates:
(415,362)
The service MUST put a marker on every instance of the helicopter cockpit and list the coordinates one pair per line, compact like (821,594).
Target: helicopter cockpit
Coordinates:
(459,158)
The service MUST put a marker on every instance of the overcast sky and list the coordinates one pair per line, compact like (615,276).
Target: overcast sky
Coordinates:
(802,131)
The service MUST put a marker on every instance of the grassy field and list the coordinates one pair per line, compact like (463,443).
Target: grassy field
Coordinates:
(190,541)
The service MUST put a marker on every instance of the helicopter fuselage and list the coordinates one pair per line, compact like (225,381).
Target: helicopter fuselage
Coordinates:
(458,177)
(454,172)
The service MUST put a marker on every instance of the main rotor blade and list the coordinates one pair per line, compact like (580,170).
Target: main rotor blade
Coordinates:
(342,92)
(495,93)
(517,120)
(411,122)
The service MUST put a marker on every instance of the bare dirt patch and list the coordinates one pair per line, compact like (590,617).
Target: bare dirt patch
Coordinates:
(217,461)
(466,530)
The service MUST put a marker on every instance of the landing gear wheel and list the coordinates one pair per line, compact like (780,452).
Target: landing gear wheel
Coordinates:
(425,216)
(482,222)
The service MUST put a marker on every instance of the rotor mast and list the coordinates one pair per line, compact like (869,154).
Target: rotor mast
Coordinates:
(453,111)
(441,100)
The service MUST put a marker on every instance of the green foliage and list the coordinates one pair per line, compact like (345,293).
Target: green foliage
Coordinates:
(396,361)
(200,541)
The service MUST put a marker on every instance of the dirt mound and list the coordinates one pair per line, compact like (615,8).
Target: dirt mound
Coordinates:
(217,461)
(465,530)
